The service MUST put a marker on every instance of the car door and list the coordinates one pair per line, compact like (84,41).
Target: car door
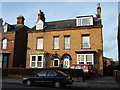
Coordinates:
(49,79)
(40,77)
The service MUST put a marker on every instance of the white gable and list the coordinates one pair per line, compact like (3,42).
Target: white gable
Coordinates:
(39,25)
(5,27)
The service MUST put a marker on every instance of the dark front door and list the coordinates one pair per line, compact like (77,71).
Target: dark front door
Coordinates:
(5,61)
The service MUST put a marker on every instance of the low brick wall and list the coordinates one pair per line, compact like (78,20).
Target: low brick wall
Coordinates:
(77,75)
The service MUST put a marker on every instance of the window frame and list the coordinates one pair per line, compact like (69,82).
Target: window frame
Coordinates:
(38,44)
(66,43)
(4,44)
(79,21)
(82,41)
(55,43)
(85,59)
(54,62)
(36,61)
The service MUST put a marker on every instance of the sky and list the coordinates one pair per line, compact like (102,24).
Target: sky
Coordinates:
(68,10)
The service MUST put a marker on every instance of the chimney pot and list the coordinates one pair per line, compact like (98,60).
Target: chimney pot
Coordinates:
(98,11)
(20,20)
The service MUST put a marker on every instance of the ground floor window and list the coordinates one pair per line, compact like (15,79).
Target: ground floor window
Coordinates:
(85,59)
(55,62)
(36,61)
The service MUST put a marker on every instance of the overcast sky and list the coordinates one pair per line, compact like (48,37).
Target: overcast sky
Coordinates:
(68,10)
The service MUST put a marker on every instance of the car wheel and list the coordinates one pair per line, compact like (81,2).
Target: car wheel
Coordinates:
(57,84)
(28,83)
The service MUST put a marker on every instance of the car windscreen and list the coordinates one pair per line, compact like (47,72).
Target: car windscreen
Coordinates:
(80,67)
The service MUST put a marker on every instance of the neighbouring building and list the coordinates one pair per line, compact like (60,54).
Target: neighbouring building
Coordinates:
(13,44)
(108,61)
(65,42)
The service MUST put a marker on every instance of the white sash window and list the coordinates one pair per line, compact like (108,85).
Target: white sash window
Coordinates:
(4,44)
(56,42)
(85,59)
(67,42)
(36,61)
(40,43)
(85,41)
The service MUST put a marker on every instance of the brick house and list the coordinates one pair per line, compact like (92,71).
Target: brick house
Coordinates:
(13,44)
(66,42)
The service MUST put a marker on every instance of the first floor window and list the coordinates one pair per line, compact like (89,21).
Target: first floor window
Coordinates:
(4,44)
(85,58)
(40,43)
(55,62)
(36,61)
(85,41)
(56,43)
(66,42)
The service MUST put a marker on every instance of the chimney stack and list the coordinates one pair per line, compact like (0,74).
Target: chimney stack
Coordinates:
(41,16)
(99,11)
(20,20)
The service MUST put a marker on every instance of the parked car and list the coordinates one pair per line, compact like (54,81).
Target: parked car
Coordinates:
(87,69)
(49,77)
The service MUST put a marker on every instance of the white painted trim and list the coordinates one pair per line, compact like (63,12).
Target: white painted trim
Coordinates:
(36,61)
(85,58)
(53,62)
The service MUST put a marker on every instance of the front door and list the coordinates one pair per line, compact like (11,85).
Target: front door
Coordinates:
(5,61)
(66,62)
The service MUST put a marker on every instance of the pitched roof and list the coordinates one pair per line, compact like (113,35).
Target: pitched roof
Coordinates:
(15,27)
(70,23)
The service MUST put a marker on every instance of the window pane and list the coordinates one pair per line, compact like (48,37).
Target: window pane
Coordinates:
(85,42)
(72,67)
(81,62)
(39,58)
(39,64)
(56,42)
(4,44)
(89,62)
(32,64)
(78,67)
(40,43)
(83,66)
(42,73)
(33,58)
(67,42)
(51,73)
(89,58)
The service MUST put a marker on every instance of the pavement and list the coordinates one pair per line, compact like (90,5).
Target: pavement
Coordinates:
(94,82)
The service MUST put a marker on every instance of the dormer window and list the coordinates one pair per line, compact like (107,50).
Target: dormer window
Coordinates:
(39,25)
(5,27)
(84,21)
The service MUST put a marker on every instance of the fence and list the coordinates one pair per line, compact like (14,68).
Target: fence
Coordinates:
(117,75)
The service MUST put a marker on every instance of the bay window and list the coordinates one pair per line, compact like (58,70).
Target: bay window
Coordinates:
(85,59)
